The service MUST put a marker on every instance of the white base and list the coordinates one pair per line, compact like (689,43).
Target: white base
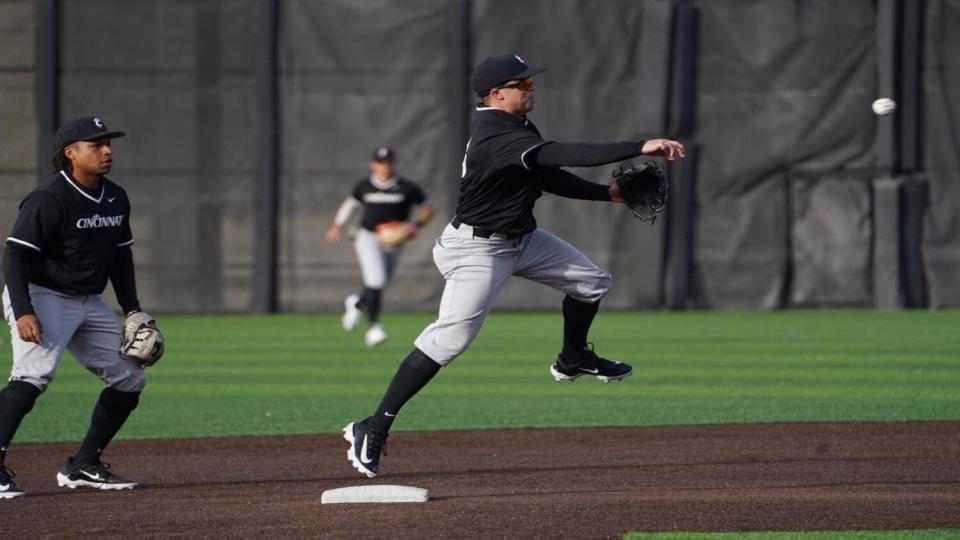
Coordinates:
(375,494)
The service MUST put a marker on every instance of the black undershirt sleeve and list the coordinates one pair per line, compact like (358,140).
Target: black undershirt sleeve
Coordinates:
(124,281)
(566,184)
(563,154)
(16,261)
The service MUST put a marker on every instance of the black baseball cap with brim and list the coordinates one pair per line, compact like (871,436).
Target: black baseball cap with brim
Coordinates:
(88,128)
(384,153)
(497,70)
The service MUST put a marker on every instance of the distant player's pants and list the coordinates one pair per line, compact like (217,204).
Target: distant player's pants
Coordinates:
(476,269)
(83,325)
(377,262)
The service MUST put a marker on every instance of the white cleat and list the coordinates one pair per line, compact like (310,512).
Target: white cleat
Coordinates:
(351,315)
(375,335)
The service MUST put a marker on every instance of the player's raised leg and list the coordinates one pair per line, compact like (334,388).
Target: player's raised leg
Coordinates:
(548,259)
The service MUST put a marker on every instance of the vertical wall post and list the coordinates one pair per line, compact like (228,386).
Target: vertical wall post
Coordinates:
(681,218)
(47,80)
(458,46)
(267,184)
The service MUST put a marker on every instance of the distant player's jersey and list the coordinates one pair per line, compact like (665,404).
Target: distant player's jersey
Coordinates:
(75,231)
(498,188)
(387,201)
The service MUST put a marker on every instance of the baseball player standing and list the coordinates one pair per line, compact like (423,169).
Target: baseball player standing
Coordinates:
(494,235)
(387,199)
(71,235)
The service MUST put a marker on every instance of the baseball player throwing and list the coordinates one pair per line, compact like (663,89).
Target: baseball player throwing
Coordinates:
(387,199)
(71,235)
(494,235)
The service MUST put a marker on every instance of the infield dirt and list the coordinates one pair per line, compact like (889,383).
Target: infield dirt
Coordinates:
(531,483)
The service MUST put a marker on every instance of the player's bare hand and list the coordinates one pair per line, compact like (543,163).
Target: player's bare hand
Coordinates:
(615,194)
(666,148)
(334,234)
(30,328)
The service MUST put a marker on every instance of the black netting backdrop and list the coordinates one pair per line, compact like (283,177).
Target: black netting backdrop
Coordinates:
(356,76)
(783,212)
(177,77)
(18,138)
(941,138)
(783,88)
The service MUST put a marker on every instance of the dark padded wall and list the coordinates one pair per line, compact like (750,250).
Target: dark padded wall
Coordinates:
(941,93)
(355,76)
(18,140)
(784,88)
(177,77)
(783,211)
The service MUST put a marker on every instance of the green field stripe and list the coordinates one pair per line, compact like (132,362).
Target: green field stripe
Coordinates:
(300,373)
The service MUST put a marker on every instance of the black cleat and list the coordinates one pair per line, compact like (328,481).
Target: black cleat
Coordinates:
(96,475)
(366,445)
(569,370)
(8,489)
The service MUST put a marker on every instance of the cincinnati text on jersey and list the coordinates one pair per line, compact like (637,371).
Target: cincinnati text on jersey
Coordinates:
(98,222)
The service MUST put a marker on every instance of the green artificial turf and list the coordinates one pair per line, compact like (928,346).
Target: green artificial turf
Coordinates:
(281,374)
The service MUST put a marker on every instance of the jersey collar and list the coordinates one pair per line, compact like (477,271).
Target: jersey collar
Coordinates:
(82,191)
(377,183)
(523,121)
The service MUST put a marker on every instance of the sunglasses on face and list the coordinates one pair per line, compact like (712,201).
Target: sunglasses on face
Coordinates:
(525,85)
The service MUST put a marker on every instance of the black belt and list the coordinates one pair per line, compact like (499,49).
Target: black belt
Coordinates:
(480,232)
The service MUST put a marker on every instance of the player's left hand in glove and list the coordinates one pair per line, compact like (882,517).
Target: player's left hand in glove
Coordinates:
(394,233)
(644,188)
(142,340)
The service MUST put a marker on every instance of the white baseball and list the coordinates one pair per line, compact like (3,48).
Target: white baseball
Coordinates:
(884,106)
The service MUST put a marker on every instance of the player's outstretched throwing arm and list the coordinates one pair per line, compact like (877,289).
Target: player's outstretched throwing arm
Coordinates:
(566,184)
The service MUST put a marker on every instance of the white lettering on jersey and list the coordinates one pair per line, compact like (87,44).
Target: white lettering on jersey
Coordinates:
(99,222)
(463,168)
(383,198)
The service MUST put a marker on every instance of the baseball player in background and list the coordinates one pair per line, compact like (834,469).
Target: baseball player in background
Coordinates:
(71,235)
(387,199)
(493,235)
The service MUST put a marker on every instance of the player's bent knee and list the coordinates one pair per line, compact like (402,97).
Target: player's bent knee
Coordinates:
(134,382)
(593,291)
(604,284)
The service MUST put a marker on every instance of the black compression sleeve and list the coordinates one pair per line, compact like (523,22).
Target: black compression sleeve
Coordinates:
(571,186)
(124,282)
(16,261)
(561,154)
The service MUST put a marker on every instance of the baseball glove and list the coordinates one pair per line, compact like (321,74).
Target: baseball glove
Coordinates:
(394,233)
(644,188)
(142,341)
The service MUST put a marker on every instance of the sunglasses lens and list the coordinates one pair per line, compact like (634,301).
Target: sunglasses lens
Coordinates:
(525,85)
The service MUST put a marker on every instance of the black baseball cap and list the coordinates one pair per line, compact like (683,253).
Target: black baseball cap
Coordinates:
(496,70)
(384,153)
(88,128)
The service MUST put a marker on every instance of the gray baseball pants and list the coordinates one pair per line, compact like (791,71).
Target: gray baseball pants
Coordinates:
(83,325)
(476,269)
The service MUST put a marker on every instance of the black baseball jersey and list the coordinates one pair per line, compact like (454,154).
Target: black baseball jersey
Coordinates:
(76,234)
(508,166)
(498,189)
(387,201)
